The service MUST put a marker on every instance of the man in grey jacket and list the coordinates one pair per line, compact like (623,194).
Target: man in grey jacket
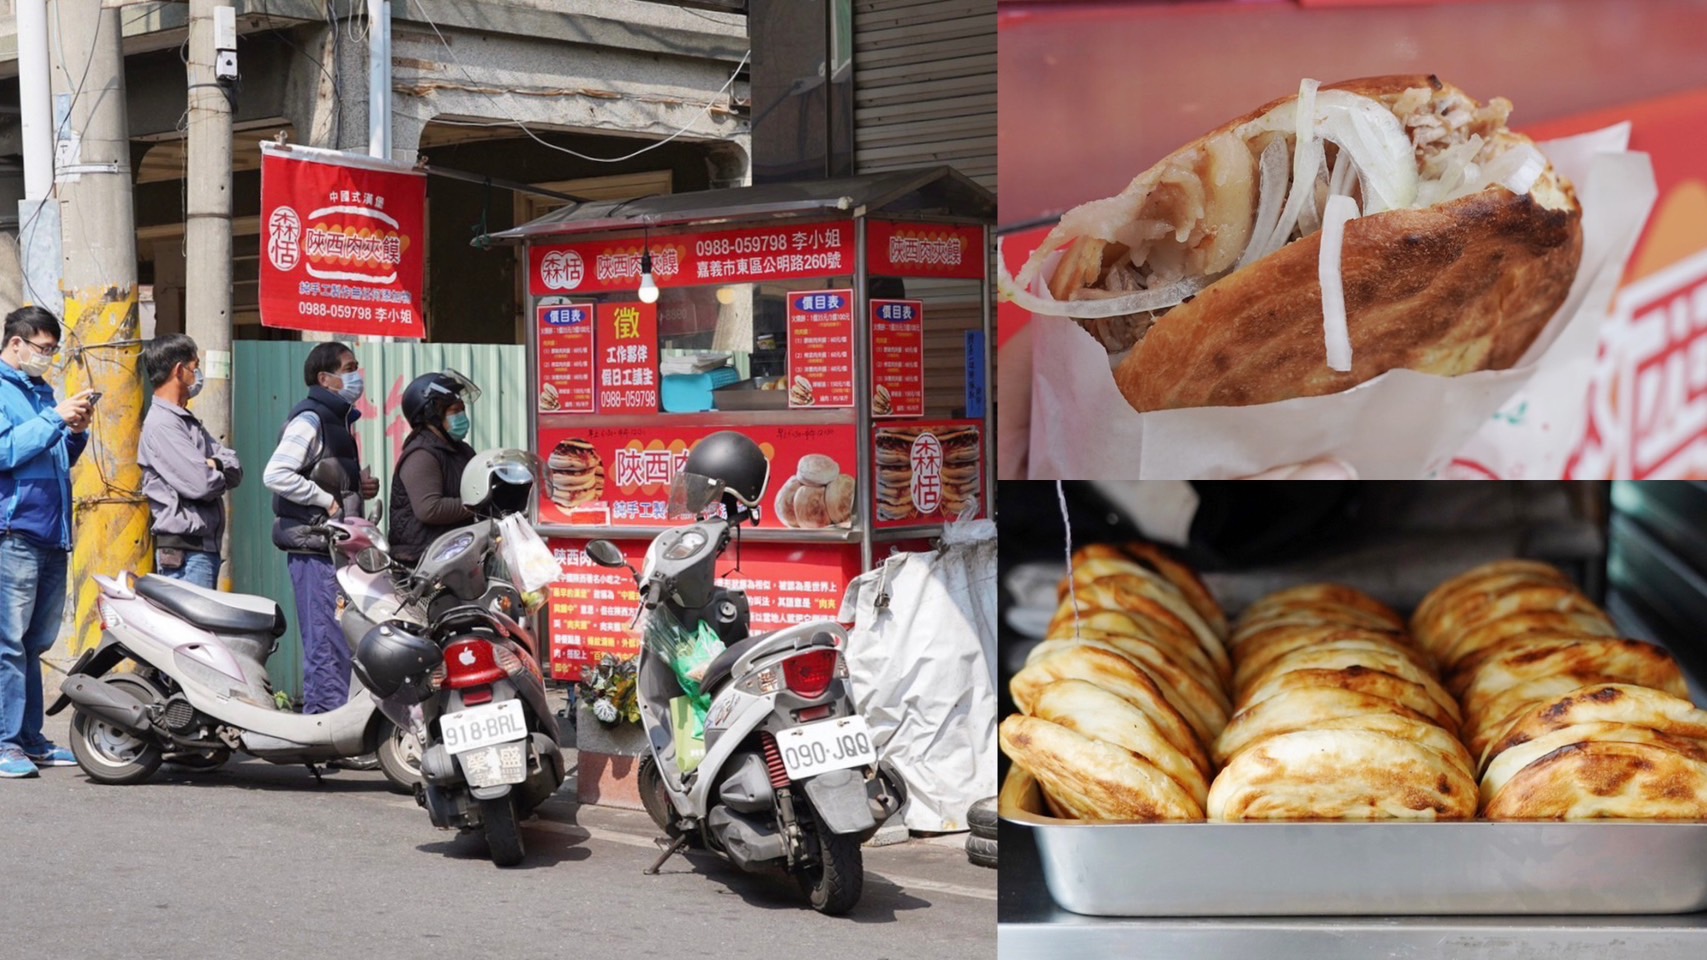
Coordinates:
(185,471)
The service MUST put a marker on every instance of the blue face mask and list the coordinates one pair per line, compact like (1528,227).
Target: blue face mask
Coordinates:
(195,388)
(351,391)
(456,426)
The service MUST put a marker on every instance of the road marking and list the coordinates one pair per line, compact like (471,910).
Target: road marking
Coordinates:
(584,832)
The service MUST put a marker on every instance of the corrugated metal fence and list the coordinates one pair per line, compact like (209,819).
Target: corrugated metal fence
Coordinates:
(267,382)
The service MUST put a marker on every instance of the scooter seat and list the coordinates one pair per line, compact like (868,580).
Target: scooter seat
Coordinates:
(718,670)
(219,612)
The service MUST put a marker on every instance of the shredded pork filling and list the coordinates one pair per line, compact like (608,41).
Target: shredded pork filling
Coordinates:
(1232,201)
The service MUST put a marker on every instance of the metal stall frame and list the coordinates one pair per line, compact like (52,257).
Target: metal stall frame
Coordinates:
(932,196)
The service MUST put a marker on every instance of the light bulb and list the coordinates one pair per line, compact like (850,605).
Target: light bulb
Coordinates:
(648,286)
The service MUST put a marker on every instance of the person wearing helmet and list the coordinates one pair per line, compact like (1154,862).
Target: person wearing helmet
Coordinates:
(425,486)
(730,466)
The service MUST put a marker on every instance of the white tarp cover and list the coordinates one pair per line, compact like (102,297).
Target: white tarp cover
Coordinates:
(923,671)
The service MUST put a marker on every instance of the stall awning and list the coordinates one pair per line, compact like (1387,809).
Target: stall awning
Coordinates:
(936,193)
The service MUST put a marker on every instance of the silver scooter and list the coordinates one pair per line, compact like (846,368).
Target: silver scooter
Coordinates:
(785,775)
(199,687)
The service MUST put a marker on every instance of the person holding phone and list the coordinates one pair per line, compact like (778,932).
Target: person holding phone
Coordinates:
(39,441)
(321,427)
(185,471)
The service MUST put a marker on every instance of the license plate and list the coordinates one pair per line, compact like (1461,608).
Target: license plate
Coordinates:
(483,726)
(827,745)
(490,766)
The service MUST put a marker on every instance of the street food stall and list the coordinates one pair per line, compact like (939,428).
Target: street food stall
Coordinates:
(843,325)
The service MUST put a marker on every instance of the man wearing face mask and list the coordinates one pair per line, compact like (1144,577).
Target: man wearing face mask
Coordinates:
(39,441)
(426,486)
(319,429)
(185,471)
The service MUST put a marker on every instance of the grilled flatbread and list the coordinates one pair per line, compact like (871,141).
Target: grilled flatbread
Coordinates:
(1341,775)
(1302,709)
(1508,764)
(1091,711)
(1585,781)
(1357,679)
(1204,706)
(1119,676)
(1334,657)
(1522,661)
(1258,654)
(1092,779)
(1602,702)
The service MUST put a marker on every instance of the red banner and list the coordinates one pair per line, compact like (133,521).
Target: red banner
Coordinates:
(343,244)
(566,361)
(591,606)
(935,250)
(628,357)
(820,349)
(898,358)
(929,473)
(748,255)
(620,476)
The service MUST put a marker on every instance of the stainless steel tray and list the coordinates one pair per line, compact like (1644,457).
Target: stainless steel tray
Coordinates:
(1365,869)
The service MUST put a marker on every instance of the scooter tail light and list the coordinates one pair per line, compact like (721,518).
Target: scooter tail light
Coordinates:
(809,675)
(471,663)
(109,617)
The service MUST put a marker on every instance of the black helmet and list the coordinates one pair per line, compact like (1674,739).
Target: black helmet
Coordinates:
(735,463)
(427,396)
(390,656)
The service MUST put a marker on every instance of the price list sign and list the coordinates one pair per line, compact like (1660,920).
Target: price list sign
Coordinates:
(820,349)
(897,358)
(628,357)
(566,367)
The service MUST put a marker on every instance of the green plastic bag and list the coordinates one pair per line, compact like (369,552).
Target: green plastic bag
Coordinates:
(688,653)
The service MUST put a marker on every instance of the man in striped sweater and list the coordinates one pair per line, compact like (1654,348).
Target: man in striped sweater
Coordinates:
(319,429)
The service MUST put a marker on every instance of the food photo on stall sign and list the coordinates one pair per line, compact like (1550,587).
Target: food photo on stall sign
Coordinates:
(1205,384)
(1409,679)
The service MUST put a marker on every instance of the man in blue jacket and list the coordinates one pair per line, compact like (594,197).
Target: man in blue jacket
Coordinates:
(39,441)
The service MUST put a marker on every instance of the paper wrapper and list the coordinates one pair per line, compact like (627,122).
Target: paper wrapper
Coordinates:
(1400,425)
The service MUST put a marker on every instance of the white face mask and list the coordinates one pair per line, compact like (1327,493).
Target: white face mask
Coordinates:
(351,391)
(31,361)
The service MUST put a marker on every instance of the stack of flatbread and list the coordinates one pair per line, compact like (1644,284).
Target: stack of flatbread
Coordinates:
(1339,717)
(1122,699)
(1567,720)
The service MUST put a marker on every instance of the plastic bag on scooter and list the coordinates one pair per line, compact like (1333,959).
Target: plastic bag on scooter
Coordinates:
(525,555)
(688,652)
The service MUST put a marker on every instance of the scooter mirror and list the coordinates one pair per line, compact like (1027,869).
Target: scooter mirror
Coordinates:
(377,513)
(606,554)
(372,561)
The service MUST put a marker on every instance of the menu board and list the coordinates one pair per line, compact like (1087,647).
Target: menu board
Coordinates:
(620,476)
(566,359)
(628,357)
(820,349)
(929,473)
(897,358)
(591,606)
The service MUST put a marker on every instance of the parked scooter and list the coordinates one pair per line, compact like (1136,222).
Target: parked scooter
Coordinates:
(467,681)
(785,774)
(199,687)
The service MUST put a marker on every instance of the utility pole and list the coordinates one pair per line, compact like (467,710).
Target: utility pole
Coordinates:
(92,174)
(378,91)
(38,213)
(207,224)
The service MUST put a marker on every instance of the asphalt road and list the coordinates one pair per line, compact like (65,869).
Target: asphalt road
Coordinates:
(257,861)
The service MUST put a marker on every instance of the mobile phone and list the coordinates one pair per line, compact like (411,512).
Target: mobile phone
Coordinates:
(93,397)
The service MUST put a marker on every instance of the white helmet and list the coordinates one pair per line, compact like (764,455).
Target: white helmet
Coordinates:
(499,482)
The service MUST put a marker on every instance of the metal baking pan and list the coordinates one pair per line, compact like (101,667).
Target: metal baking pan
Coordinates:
(1369,869)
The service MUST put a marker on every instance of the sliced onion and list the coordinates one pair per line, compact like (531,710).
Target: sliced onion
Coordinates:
(1143,301)
(1339,183)
(1303,160)
(1335,335)
(1517,169)
(1379,147)
(1273,187)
